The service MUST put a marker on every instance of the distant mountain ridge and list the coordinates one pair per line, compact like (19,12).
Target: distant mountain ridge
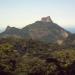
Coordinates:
(45,30)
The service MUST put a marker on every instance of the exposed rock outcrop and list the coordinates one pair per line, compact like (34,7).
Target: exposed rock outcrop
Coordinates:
(46,19)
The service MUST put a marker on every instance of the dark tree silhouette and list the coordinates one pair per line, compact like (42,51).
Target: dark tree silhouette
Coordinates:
(60,69)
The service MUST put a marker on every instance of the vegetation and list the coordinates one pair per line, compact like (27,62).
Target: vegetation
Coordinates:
(28,57)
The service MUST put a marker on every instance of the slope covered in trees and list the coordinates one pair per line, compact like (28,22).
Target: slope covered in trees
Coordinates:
(28,57)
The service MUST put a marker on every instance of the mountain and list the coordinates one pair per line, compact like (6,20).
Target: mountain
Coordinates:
(10,31)
(45,30)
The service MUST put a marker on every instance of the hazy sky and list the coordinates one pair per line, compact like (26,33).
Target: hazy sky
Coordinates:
(19,13)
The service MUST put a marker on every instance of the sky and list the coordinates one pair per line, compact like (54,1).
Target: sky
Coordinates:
(20,13)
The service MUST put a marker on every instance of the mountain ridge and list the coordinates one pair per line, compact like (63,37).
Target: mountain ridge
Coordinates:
(45,30)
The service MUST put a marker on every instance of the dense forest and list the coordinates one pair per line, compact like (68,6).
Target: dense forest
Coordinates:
(28,57)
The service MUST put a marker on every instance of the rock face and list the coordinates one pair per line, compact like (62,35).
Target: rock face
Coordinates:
(46,19)
(47,32)
(44,30)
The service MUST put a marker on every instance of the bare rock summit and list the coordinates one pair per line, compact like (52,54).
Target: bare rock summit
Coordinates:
(46,19)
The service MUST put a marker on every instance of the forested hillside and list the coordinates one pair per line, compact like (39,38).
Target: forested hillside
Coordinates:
(28,57)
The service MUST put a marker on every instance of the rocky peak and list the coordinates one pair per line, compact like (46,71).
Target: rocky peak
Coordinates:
(11,29)
(8,28)
(46,19)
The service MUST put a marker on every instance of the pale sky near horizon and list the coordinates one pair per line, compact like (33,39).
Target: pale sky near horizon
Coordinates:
(19,13)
